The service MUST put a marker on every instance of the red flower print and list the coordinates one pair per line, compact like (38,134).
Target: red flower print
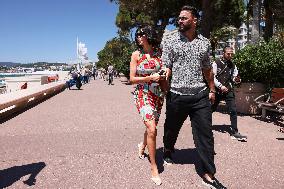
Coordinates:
(148,116)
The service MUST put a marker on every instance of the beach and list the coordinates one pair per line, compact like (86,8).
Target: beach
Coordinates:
(15,81)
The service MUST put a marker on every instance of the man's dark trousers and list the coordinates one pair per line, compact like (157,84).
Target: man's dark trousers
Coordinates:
(110,78)
(231,104)
(198,108)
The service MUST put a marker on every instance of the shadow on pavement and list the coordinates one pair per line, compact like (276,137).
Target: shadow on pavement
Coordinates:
(126,82)
(13,174)
(181,156)
(221,128)
(75,89)
(276,119)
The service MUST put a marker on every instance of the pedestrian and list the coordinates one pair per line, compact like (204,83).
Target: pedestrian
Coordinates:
(144,67)
(78,80)
(110,71)
(94,71)
(103,73)
(84,74)
(225,77)
(186,57)
(69,80)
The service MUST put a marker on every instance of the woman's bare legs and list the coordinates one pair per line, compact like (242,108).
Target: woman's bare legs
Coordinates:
(142,146)
(145,138)
(151,144)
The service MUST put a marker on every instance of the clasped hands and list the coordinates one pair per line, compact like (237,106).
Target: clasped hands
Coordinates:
(161,75)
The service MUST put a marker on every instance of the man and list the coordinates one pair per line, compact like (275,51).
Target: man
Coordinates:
(186,56)
(78,79)
(94,72)
(225,75)
(85,73)
(110,70)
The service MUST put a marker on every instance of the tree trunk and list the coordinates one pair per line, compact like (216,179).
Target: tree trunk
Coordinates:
(164,23)
(207,16)
(255,22)
(247,22)
(268,31)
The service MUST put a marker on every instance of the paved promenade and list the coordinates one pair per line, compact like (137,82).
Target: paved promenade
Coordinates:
(88,139)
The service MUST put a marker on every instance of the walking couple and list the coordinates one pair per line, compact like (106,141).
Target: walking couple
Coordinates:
(185,61)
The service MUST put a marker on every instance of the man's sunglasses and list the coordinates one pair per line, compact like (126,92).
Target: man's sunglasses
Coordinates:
(182,18)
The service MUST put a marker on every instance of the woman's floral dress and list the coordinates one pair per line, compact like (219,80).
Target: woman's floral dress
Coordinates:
(148,96)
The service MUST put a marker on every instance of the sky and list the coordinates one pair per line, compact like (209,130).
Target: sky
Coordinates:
(46,30)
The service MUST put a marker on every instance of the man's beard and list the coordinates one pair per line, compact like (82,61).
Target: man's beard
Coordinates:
(185,28)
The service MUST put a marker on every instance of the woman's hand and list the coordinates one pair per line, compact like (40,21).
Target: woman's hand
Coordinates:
(155,77)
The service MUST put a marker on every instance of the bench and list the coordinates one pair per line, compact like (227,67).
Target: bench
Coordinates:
(273,101)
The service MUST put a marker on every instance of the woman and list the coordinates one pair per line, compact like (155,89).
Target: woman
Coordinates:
(144,67)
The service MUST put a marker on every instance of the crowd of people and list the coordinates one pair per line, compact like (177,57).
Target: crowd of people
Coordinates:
(182,72)
(105,74)
(78,78)
(83,76)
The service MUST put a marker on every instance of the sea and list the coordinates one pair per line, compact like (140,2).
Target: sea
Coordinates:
(2,75)
(45,72)
(14,75)
(5,75)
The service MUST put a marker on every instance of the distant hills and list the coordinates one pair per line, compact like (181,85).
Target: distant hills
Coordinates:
(12,64)
(9,64)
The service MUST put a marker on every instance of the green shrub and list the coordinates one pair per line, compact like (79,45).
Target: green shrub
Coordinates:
(262,62)
(117,52)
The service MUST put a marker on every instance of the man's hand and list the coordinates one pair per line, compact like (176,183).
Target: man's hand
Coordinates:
(212,97)
(237,79)
(224,89)
(168,73)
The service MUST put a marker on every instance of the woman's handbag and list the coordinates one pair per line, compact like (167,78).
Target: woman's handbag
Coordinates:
(164,84)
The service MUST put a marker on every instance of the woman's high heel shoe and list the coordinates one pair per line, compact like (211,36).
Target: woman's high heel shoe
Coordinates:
(141,154)
(157,180)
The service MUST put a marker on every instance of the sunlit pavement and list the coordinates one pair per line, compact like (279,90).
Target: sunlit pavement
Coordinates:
(88,139)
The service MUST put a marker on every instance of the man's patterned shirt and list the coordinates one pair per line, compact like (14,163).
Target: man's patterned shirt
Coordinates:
(186,59)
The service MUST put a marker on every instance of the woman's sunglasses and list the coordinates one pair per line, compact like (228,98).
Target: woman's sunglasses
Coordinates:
(140,34)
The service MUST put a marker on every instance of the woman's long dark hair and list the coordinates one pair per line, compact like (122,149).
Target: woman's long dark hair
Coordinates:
(151,35)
